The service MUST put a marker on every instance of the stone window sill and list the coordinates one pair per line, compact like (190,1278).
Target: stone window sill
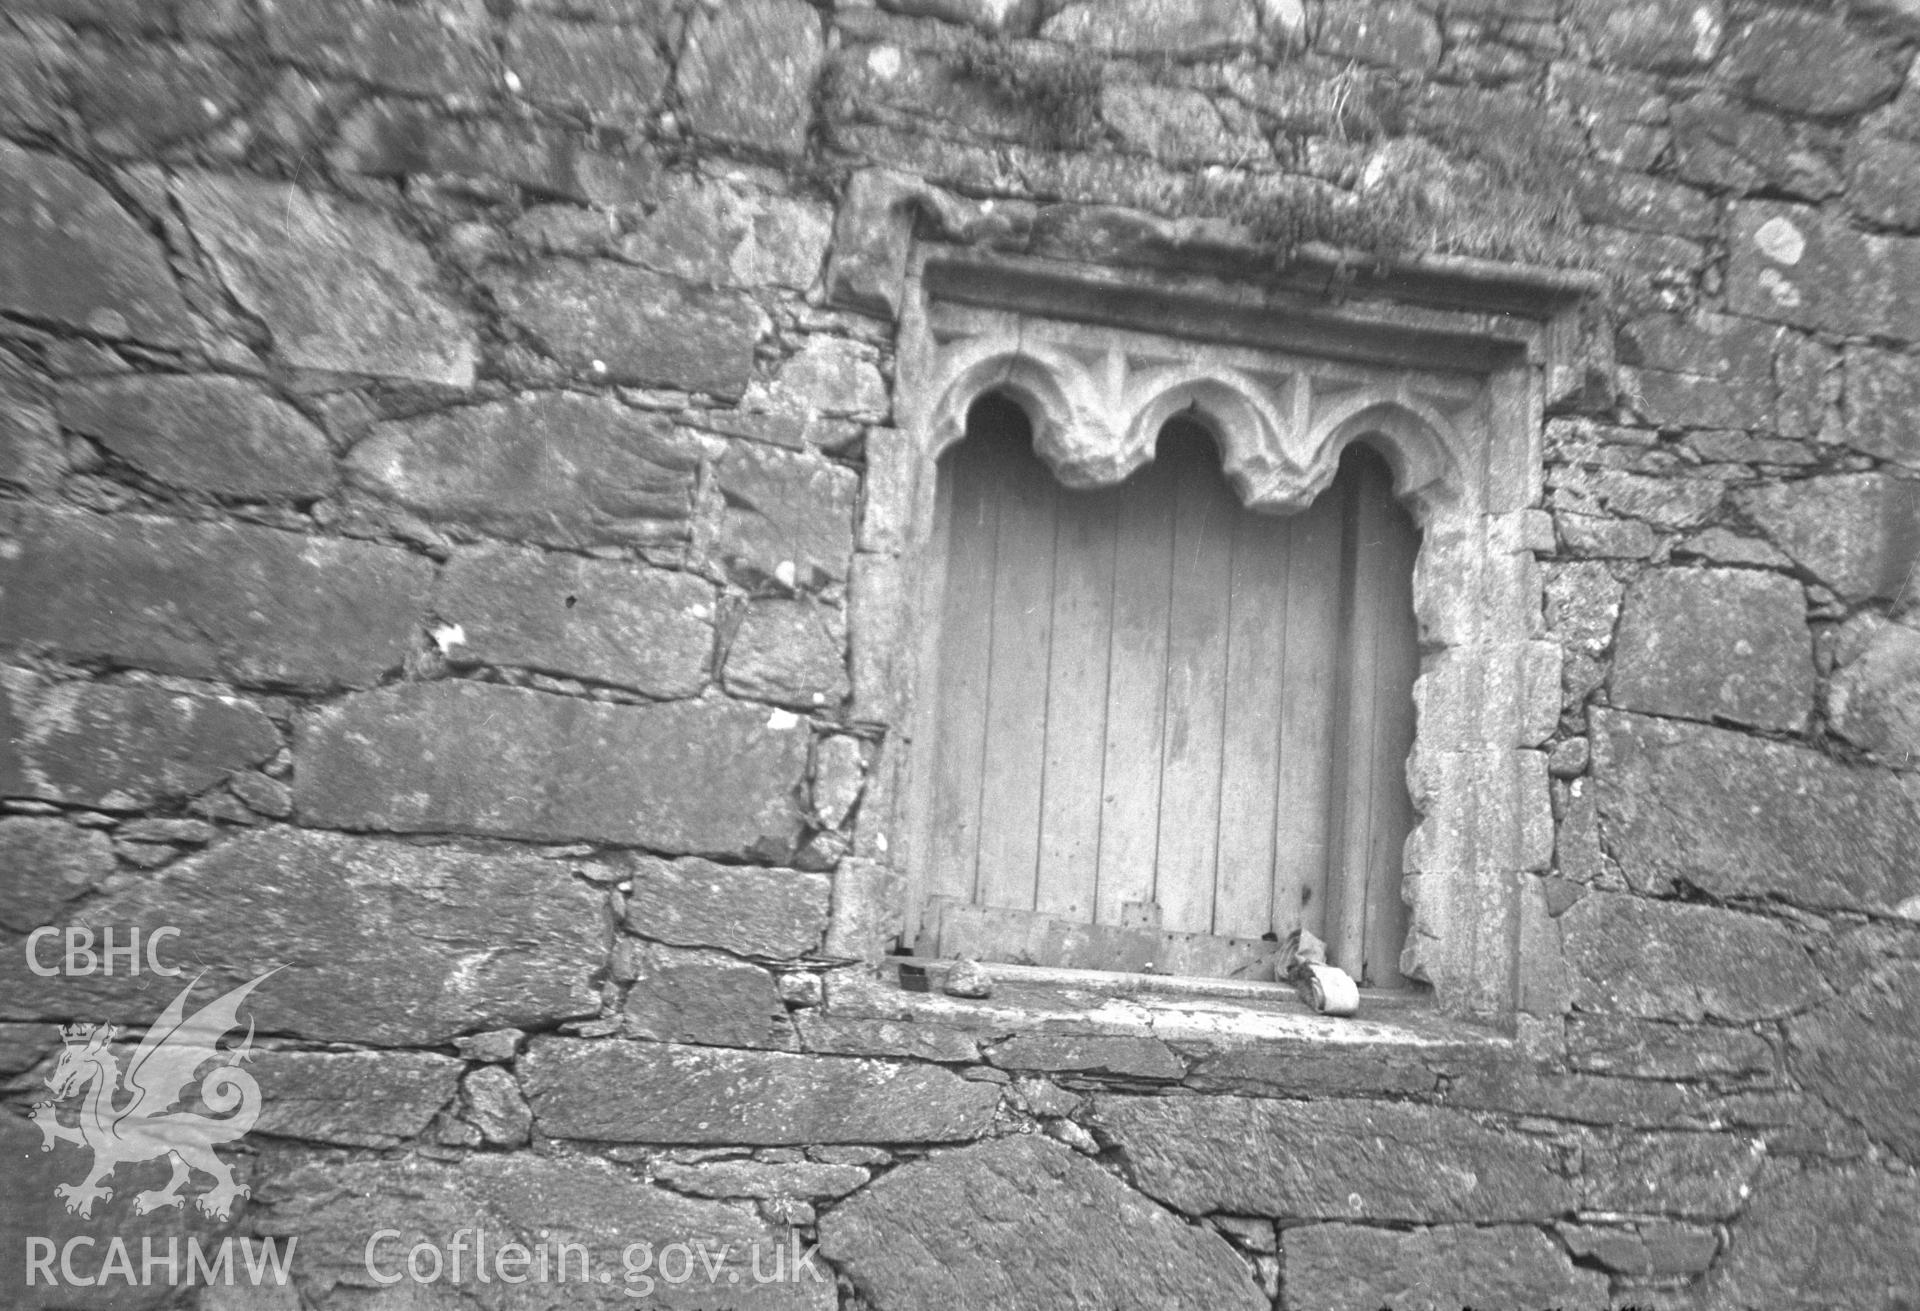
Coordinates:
(1080,1021)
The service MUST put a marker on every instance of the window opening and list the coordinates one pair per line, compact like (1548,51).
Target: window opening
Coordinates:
(1168,728)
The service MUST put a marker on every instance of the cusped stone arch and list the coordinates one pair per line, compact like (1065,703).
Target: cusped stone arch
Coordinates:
(1070,421)
(1245,419)
(1416,440)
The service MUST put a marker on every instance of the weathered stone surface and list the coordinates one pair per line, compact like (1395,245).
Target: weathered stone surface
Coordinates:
(1664,36)
(1883,396)
(663,1093)
(126,746)
(427,50)
(1873,699)
(30,443)
(1860,1053)
(339,286)
(785,508)
(1883,179)
(838,779)
(621,324)
(1808,63)
(555,468)
(544,1205)
(1583,606)
(761,1180)
(357,1099)
(1135,1058)
(1702,1176)
(746,74)
(709,232)
(495,1107)
(138,99)
(1716,644)
(238,603)
(384,943)
(790,652)
(34,1212)
(29,95)
(1042,1227)
(1298,1069)
(773,913)
(1340,1267)
(647,629)
(614,74)
(1649,1248)
(921,1042)
(1644,1049)
(1393,35)
(44,864)
(1307,1160)
(1630,955)
(1722,145)
(1792,264)
(72,256)
(691,995)
(1819,1238)
(1739,817)
(704,777)
(1174,125)
(1858,533)
(831,375)
(1174,27)
(215,434)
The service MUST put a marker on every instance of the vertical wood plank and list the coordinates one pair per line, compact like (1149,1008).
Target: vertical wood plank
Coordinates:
(1385,579)
(1187,849)
(1307,686)
(1076,714)
(1136,692)
(1250,753)
(966,634)
(1017,683)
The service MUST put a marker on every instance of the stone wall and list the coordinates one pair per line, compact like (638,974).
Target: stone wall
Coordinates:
(433,446)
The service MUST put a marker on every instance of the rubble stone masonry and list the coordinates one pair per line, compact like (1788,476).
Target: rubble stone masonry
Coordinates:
(450,541)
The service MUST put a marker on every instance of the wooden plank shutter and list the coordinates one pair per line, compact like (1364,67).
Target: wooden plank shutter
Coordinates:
(1158,710)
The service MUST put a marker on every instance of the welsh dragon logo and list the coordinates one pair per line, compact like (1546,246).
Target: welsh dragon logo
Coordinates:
(128,1118)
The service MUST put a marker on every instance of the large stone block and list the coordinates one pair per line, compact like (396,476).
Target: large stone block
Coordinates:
(555,468)
(1820,1237)
(755,1179)
(44,864)
(70,255)
(1630,955)
(426,50)
(747,72)
(1340,1267)
(1811,63)
(648,1092)
(127,746)
(790,652)
(705,777)
(1724,145)
(787,509)
(232,602)
(212,434)
(1736,816)
(1170,27)
(1859,533)
(339,286)
(776,914)
(1039,1226)
(1699,1176)
(710,232)
(615,323)
(1791,264)
(1883,398)
(647,629)
(583,1221)
(1392,35)
(1665,36)
(706,997)
(615,75)
(1860,1053)
(1333,1160)
(1648,1049)
(1883,183)
(1125,1056)
(1716,644)
(382,942)
(356,1099)
(1873,699)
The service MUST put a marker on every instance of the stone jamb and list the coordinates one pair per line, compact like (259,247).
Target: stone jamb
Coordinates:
(1445,365)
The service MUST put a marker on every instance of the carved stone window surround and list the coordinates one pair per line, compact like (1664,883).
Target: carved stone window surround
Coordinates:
(1285,377)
